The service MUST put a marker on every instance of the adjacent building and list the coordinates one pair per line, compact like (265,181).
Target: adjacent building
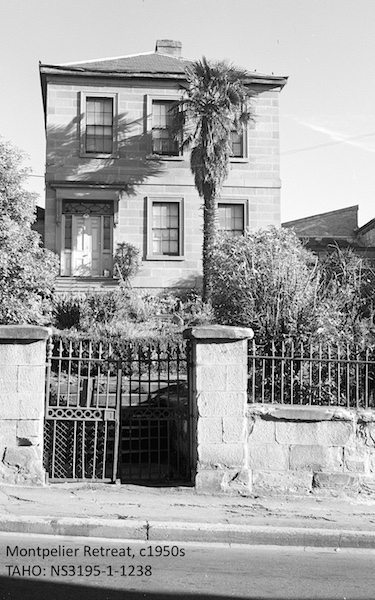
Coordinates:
(114,172)
(337,228)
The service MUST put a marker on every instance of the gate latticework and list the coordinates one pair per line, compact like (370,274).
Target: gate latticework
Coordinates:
(117,413)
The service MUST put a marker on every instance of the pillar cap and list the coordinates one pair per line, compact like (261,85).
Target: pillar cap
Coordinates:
(24,332)
(218,332)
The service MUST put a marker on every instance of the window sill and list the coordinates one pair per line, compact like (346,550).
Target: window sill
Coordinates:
(238,160)
(164,257)
(98,155)
(160,157)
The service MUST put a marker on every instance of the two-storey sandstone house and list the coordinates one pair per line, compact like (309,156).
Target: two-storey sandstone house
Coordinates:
(114,172)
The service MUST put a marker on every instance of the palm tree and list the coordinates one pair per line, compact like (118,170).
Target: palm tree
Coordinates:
(217,103)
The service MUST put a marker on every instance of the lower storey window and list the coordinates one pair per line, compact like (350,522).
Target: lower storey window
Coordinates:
(231,219)
(165,228)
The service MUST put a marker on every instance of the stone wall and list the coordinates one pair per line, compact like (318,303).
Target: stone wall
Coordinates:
(22,385)
(304,449)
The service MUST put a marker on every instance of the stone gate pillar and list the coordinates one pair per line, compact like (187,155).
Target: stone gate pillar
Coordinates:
(218,384)
(22,389)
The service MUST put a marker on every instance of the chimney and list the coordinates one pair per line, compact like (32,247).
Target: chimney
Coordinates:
(168,47)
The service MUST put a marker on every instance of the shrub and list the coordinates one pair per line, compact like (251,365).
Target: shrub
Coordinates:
(81,311)
(68,311)
(99,308)
(268,281)
(27,271)
(126,261)
(129,313)
(346,291)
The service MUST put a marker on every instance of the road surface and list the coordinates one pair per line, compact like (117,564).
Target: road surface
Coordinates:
(54,567)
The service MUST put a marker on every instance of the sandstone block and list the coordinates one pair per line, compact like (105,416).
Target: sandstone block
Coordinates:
(221,354)
(30,433)
(233,429)
(325,433)
(32,353)
(221,455)
(269,457)
(210,378)
(219,333)
(210,430)
(236,378)
(31,406)
(357,460)
(237,482)
(281,481)
(316,458)
(8,379)
(8,433)
(209,481)
(30,428)
(261,432)
(340,481)
(23,458)
(301,413)
(31,377)
(22,465)
(221,404)
(9,406)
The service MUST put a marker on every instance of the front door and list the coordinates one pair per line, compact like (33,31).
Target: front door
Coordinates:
(86,256)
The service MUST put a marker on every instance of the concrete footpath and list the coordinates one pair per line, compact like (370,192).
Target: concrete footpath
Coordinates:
(181,515)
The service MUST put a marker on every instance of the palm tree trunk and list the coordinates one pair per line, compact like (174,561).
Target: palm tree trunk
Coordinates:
(209,237)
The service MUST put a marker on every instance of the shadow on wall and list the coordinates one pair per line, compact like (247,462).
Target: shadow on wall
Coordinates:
(191,282)
(131,167)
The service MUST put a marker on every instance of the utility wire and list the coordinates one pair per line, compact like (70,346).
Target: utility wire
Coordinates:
(349,139)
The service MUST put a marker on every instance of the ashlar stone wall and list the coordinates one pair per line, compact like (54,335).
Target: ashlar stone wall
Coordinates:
(22,390)
(304,449)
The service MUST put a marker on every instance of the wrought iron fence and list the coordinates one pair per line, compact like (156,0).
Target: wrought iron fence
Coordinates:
(311,374)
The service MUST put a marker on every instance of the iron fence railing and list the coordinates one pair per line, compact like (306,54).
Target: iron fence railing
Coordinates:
(311,374)
(86,369)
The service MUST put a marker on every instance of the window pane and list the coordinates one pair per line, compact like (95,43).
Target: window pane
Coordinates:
(107,146)
(156,247)
(237,144)
(163,141)
(68,232)
(166,228)
(231,218)
(99,125)
(106,233)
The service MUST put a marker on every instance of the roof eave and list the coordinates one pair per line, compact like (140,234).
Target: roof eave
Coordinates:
(269,80)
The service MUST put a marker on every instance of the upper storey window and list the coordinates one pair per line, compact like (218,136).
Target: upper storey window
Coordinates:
(98,125)
(239,144)
(163,141)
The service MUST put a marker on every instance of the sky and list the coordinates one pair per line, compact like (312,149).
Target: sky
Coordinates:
(325,47)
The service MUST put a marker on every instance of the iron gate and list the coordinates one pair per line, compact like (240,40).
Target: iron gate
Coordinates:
(117,413)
